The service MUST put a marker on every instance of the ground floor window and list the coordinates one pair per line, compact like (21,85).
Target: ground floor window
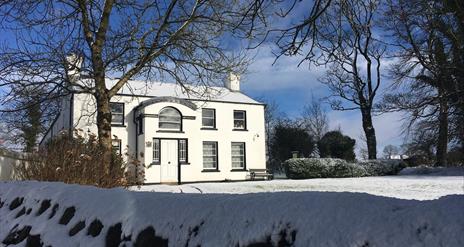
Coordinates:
(156,150)
(238,155)
(183,151)
(116,143)
(117,113)
(210,155)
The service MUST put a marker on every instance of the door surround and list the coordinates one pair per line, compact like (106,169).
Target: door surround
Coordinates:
(179,172)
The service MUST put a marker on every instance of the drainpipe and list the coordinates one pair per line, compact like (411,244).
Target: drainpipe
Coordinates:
(179,182)
(71,115)
(136,139)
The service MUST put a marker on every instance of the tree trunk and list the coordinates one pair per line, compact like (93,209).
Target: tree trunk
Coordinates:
(442,143)
(369,131)
(104,124)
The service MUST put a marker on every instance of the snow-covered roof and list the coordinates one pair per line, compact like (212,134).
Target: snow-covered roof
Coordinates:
(192,92)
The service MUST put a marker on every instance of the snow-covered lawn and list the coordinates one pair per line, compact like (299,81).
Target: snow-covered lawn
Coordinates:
(402,187)
(370,211)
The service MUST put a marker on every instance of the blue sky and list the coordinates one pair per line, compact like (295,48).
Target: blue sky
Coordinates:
(291,87)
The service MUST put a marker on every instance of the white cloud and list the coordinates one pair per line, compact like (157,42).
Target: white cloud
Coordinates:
(284,74)
(292,85)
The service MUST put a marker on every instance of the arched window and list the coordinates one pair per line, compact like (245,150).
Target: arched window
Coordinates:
(170,119)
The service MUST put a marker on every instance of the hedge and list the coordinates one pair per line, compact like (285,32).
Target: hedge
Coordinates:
(382,167)
(301,168)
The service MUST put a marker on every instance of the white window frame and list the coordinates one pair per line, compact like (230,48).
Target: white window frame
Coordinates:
(240,119)
(113,114)
(205,117)
(183,150)
(242,164)
(156,150)
(215,155)
(160,122)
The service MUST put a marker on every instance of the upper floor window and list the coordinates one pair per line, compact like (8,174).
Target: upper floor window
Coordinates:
(117,113)
(239,120)
(170,119)
(208,118)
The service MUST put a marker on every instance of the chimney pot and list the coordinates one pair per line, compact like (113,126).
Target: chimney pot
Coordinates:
(233,82)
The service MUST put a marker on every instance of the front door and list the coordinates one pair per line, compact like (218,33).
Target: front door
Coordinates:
(169,161)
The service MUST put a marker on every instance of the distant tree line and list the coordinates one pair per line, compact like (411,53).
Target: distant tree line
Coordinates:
(307,135)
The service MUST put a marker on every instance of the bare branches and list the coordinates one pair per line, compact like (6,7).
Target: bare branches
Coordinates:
(177,40)
(315,119)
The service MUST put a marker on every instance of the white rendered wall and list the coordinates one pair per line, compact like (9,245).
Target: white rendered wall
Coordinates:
(254,137)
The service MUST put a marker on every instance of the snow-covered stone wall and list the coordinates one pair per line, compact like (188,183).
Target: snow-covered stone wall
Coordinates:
(55,214)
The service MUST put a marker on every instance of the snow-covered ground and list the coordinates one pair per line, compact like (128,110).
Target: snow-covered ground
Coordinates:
(297,213)
(404,187)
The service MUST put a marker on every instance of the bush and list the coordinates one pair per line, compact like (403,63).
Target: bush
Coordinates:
(336,145)
(303,168)
(382,167)
(286,139)
(73,160)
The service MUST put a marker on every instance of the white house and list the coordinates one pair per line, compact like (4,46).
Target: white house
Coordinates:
(214,134)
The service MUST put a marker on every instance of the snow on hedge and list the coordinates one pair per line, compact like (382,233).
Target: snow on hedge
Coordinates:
(303,168)
(382,167)
(260,219)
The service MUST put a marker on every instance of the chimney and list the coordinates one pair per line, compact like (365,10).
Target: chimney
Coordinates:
(233,82)
(74,63)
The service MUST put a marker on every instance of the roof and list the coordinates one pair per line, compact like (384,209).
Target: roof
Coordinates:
(192,92)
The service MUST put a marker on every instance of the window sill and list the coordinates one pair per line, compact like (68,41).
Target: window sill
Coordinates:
(169,131)
(239,170)
(154,164)
(239,130)
(118,125)
(210,170)
(205,128)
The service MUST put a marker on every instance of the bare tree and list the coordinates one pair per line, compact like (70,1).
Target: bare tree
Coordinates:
(363,153)
(315,119)
(338,34)
(428,71)
(176,39)
(390,150)
(354,57)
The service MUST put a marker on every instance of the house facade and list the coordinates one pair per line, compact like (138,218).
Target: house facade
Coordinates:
(178,135)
